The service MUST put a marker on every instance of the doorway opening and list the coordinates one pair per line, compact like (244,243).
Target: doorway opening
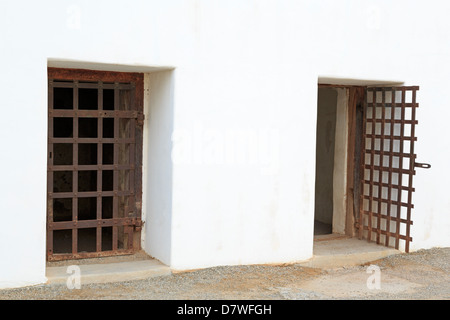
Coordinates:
(365,162)
(338,140)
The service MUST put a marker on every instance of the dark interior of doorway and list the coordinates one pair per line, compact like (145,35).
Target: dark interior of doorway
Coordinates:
(339,146)
(325,147)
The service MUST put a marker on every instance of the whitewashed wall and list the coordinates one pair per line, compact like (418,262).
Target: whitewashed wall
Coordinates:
(246,68)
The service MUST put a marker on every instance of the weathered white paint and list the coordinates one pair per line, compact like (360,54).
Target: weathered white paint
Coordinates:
(245,67)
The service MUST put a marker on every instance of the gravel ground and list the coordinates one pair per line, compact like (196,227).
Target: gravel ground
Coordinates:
(420,275)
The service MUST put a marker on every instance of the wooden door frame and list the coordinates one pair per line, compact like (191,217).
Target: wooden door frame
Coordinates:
(356,98)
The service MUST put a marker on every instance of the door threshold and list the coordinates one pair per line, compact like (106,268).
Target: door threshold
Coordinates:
(137,256)
(331,236)
(109,272)
(334,251)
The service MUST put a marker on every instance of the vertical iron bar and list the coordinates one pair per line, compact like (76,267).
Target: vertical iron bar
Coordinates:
(400,174)
(99,163)
(116,163)
(391,165)
(75,171)
(132,162)
(362,164)
(372,156)
(381,169)
(411,169)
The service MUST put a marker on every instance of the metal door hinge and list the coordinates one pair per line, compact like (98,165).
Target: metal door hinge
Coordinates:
(138,225)
(140,119)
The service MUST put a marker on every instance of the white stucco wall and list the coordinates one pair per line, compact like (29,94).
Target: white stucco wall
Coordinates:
(242,67)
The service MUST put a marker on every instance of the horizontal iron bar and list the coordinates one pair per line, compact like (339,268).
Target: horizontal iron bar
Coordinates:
(402,204)
(390,153)
(82,224)
(94,85)
(92,140)
(389,169)
(393,186)
(390,104)
(90,167)
(89,194)
(383,216)
(386,136)
(395,88)
(390,234)
(393,121)
(59,113)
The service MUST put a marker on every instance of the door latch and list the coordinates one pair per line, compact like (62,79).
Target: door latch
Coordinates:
(422,165)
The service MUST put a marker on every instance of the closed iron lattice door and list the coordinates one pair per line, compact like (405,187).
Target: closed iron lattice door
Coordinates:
(94,163)
(388,165)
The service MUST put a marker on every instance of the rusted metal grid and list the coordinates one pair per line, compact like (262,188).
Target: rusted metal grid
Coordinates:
(387,165)
(94,164)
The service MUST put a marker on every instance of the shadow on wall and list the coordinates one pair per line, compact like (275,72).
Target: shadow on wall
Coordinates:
(325,144)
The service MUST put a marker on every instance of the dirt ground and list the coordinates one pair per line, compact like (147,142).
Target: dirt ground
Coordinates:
(420,275)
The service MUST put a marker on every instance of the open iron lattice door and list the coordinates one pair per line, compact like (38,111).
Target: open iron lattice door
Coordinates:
(388,165)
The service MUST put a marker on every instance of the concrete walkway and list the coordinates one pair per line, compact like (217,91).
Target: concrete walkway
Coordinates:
(109,272)
(329,251)
(424,274)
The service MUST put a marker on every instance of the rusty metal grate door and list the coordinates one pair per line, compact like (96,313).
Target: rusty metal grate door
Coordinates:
(94,163)
(388,165)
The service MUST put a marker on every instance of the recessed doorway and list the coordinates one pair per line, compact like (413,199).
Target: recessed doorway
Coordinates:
(365,162)
(338,139)
(94,176)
